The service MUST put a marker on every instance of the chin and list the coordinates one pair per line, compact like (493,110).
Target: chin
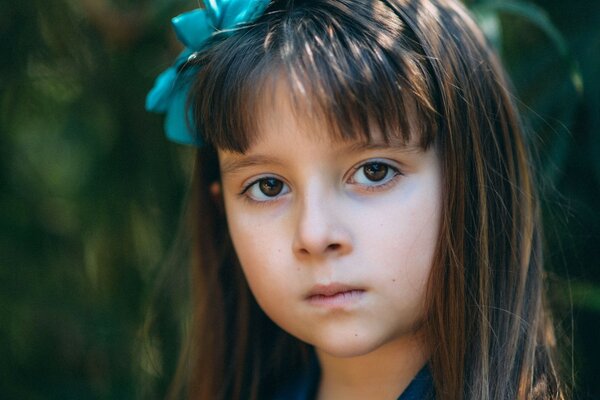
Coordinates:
(345,346)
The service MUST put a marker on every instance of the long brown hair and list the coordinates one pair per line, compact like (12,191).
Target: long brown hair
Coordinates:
(405,67)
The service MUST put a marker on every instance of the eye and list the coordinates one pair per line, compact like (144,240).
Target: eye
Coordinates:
(265,189)
(374,174)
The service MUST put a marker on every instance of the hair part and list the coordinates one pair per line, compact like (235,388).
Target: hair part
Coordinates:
(402,68)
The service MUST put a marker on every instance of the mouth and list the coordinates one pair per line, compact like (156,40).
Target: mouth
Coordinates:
(334,295)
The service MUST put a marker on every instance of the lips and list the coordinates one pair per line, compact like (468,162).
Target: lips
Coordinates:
(334,295)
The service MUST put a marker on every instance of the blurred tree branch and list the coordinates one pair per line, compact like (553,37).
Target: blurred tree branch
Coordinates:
(120,29)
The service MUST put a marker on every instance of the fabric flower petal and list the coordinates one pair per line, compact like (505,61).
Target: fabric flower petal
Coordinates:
(240,11)
(179,123)
(159,97)
(193,28)
(215,8)
(171,88)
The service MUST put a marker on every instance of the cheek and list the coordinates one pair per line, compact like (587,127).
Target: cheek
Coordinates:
(402,229)
(406,261)
(401,242)
(260,250)
(418,242)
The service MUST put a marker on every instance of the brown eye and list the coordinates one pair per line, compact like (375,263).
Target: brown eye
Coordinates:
(270,187)
(266,189)
(375,171)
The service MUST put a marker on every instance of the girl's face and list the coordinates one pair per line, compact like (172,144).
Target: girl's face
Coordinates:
(335,238)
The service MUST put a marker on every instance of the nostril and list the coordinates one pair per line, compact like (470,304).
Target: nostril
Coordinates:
(333,246)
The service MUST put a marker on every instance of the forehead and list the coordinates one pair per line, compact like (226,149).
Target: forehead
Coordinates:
(283,116)
(288,129)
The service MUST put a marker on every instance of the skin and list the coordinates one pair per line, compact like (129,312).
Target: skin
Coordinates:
(324,220)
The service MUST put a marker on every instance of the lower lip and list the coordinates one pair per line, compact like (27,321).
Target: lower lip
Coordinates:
(338,300)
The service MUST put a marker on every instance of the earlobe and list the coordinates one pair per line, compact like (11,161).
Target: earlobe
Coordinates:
(216,194)
(215,190)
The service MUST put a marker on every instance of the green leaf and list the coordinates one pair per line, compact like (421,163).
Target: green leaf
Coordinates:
(533,13)
(538,17)
(489,22)
(585,295)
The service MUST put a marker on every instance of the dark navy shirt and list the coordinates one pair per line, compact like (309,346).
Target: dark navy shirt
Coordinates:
(305,386)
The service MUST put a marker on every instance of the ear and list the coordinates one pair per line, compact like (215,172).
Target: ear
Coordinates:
(216,194)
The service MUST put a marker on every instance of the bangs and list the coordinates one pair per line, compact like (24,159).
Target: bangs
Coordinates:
(358,70)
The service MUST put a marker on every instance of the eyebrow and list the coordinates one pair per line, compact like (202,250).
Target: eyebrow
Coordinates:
(235,164)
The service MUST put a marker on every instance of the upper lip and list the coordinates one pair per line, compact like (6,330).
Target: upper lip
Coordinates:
(331,289)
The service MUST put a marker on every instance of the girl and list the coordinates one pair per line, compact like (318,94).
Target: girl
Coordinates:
(366,224)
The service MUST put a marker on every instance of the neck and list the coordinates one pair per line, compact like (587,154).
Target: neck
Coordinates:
(380,375)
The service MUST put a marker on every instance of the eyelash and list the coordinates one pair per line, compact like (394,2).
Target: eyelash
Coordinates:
(388,181)
(247,187)
(369,188)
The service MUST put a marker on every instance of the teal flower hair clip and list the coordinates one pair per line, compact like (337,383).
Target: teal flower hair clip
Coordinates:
(171,89)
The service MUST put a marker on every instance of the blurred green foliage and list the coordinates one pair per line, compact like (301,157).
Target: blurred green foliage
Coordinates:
(91,192)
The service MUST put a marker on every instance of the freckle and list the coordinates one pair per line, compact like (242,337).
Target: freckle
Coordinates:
(393,280)
(356,335)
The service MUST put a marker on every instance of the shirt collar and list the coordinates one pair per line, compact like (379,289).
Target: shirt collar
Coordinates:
(304,386)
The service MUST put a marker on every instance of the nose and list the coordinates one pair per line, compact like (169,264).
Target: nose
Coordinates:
(320,232)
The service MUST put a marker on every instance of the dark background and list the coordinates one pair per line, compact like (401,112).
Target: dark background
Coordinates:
(92,291)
